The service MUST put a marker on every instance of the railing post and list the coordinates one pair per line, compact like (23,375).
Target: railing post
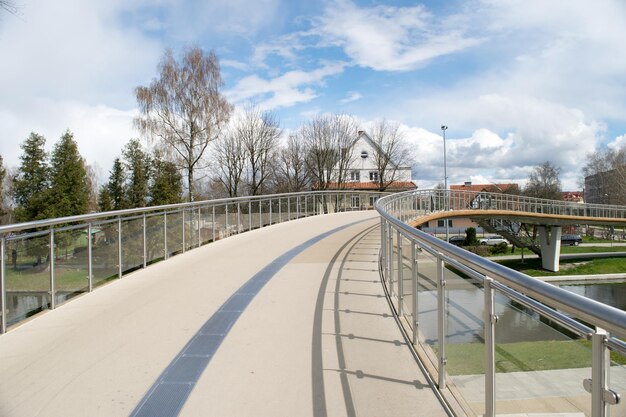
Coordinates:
(306,208)
(288,208)
(270,211)
(400,275)
(145,246)
(184,242)
(3,289)
(260,214)
(297,207)
(249,215)
(599,373)
(90,257)
(280,211)
(490,320)
(165,235)
(441,321)
(414,275)
(53,303)
(390,257)
(119,247)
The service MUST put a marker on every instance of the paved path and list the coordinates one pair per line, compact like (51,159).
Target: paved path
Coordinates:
(289,320)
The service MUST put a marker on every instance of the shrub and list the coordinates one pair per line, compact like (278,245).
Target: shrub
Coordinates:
(499,248)
(470,237)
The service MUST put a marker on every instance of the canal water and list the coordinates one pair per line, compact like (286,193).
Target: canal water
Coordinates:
(611,294)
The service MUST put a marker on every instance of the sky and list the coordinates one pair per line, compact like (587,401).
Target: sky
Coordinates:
(517,82)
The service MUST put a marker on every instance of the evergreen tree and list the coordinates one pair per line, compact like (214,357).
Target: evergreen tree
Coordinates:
(105,203)
(30,185)
(167,182)
(116,186)
(69,186)
(137,166)
(3,173)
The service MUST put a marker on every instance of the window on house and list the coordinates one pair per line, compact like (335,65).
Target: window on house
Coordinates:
(355,176)
(442,223)
(355,201)
(373,175)
(373,199)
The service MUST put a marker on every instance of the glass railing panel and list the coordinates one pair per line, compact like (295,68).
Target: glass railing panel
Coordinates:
(540,366)
(392,282)
(219,221)
(427,303)
(71,264)
(407,287)
(206,224)
(174,233)
(617,382)
(132,245)
(155,238)
(27,277)
(104,252)
(191,228)
(465,347)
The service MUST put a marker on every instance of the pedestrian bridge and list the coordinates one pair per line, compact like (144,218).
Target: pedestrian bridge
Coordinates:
(288,320)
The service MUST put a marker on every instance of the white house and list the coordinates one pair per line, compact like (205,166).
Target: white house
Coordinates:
(363,172)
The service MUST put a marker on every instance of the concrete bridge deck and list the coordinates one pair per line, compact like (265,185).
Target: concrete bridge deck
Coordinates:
(289,320)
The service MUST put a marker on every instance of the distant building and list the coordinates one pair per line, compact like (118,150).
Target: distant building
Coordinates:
(604,188)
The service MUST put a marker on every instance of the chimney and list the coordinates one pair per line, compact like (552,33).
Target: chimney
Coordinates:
(467,184)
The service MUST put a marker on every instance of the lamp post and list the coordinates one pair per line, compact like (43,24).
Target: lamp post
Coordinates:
(445,177)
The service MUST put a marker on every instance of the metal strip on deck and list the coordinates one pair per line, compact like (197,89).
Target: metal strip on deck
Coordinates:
(169,393)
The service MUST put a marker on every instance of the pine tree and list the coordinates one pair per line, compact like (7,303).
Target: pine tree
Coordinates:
(105,203)
(116,186)
(167,183)
(30,185)
(137,166)
(69,186)
(3,173)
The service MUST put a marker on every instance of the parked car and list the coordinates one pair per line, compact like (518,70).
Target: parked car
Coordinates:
(457,240)
(571,240)
(493,240)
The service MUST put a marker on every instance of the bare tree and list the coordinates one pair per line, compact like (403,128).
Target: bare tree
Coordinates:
(329,142)
(183,110)
(230,159)
(293,175)
(605,177)
(259,133)
(544,182)
(9,6)
(390,152)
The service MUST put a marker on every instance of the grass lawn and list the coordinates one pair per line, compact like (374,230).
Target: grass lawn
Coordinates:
(569,249)
(469,358)
(582,266)
(64,280)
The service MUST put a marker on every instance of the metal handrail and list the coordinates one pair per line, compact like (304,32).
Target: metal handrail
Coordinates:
(591,311)
(319,202)
(416,207)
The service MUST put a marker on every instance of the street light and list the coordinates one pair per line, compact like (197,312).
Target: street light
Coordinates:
(445,176)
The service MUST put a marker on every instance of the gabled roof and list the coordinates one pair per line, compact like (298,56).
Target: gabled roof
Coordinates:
(363,134)
(395,185)
(490,188)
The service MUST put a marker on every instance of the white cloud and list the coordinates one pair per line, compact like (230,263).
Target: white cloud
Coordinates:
(618,143)
(100,131)
(352,96)
(388,38)
(285,90)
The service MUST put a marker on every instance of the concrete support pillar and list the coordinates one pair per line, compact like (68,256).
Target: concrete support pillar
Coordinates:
(550,242)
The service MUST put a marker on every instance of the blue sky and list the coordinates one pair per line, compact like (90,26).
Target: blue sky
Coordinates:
(518,82)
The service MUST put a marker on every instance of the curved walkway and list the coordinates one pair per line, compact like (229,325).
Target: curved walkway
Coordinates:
(289,320)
